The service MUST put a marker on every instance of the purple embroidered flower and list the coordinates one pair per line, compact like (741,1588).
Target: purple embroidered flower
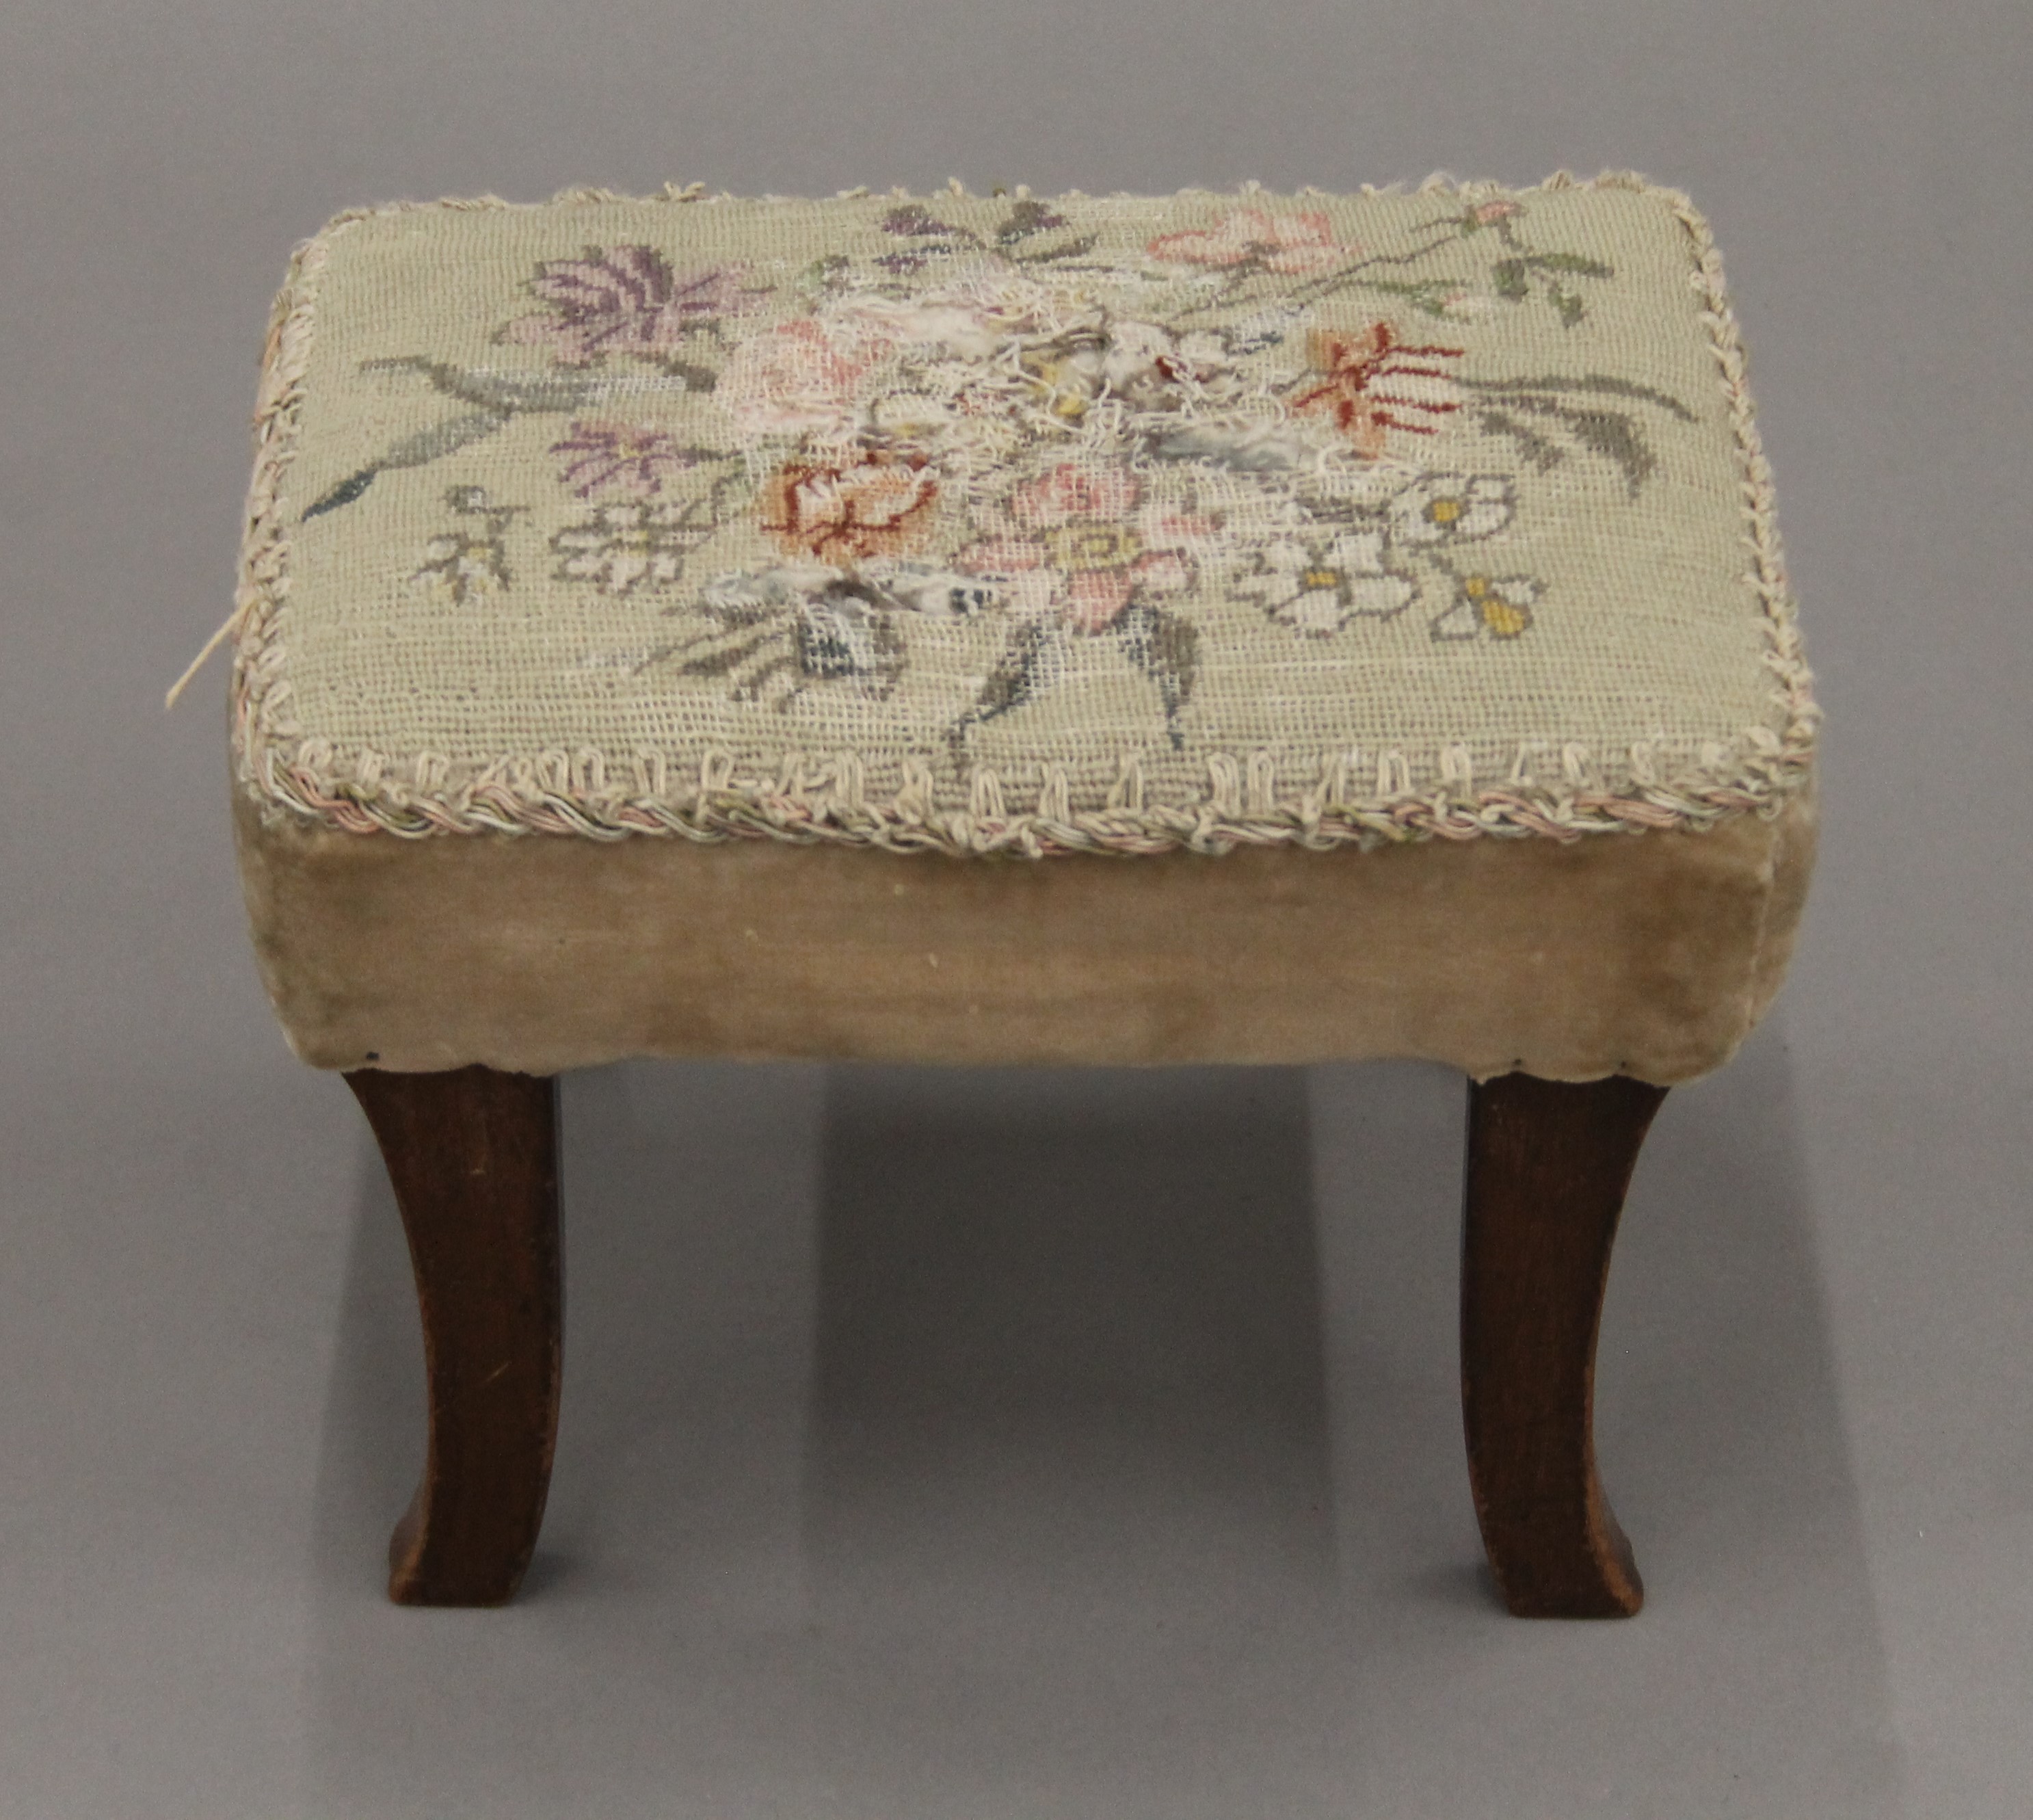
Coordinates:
(916,220)
(632,460)
(624,300)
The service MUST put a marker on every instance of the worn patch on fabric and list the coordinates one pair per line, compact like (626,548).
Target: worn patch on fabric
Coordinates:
(1006,524)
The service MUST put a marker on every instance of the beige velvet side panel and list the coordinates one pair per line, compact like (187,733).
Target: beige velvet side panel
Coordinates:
(1652,953)
(1792,865)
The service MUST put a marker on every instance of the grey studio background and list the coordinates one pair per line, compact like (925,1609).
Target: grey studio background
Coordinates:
(1006,1445)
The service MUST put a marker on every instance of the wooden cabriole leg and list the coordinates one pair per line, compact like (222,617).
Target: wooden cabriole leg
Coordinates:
(472,1155)
(1549,1164)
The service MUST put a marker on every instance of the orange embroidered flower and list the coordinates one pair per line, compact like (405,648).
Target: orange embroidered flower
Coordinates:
(877,506)
(1290,243)
(1373,382)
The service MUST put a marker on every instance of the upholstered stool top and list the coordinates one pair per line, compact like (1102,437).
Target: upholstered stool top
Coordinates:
(1012,524)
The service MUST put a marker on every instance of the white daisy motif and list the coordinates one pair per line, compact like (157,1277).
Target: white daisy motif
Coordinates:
(624,547)
(1316,585)
(1500,606)
(1451,508)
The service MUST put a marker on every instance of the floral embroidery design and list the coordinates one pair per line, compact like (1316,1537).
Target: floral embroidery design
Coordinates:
(1251,243)
(994,434)
(622,301)
(1074,540)
(803,375)
(489,401)
(1438,508)
(468,562)
(1260,241)
(875,506)
(1077,552)
(1500,606)
(1374,381)
(1338,560)
(634,459)
(1537,413)
(934,239)
(625,546)
(1317,584)
(1522,272)
(773,633)
(625,300)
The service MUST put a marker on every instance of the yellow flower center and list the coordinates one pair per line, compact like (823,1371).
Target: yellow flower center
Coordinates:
(1320,578)
(1444,511)
(1476,586)
(1091,544)
(1065,385)
(1504,620)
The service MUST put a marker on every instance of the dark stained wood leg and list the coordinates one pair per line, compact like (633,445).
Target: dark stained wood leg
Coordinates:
(472,1155)
(1549,1164)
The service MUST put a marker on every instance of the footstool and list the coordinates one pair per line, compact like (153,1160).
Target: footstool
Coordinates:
(1207,628)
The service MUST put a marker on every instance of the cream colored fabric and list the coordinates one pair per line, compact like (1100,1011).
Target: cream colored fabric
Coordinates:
(1004,523)
(1651,954)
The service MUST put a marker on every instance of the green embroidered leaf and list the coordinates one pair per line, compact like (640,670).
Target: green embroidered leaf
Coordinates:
(1616,434)
(1611,433)
(1430,296)
(1568,303)
(503,392)
(344,493)
(413,451)
(1071,249)
(1570,262)
(1166,649)
(1596,382)
(821,275)
(1542,451)
(441,438)
(724,658)
(839,635)
(1510,279)
(1032,664)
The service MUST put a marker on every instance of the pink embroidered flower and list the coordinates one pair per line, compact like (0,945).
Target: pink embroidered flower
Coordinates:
(1081,531)
(624,300)
(878,506)
(1290,243)
(1372,381)
(629,460)
(1487,214)
(802,376)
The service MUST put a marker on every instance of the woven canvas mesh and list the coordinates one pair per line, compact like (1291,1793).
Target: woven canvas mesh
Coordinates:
(988,522)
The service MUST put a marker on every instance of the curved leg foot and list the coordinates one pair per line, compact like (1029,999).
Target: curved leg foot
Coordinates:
(1549,1164)
(472,1156)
